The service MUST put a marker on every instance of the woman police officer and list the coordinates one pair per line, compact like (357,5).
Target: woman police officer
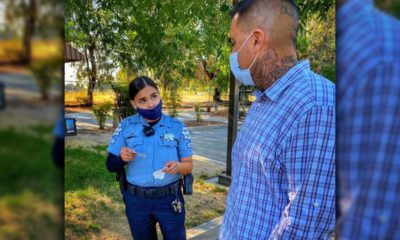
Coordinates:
(156,149)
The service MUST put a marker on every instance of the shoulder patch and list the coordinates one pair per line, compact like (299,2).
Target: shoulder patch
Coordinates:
(185,133)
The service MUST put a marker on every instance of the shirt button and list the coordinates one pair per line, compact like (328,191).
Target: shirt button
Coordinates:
(316,204)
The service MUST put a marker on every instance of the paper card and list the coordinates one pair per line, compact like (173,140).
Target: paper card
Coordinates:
(159,174)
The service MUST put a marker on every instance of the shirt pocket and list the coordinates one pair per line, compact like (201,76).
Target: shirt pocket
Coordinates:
(135,143)
(169,148)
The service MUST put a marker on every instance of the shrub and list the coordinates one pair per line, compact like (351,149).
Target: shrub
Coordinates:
(44,72)
(123,107)
(101,113)
(198,112)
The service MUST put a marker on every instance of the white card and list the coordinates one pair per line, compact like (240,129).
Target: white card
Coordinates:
(159,174)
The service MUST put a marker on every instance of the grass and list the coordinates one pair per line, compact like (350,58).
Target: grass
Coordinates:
(93,204)
(11,50)
(31,202)
(71,98)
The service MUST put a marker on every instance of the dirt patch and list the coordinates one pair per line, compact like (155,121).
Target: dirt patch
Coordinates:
(194,123)
(221,113)
(76,109)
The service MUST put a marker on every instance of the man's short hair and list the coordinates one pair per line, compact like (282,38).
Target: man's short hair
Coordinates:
(243,6)
(266,13)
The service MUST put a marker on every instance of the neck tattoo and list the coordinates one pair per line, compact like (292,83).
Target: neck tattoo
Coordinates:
(271,67)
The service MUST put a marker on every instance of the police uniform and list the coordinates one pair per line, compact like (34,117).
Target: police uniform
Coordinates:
(170,142)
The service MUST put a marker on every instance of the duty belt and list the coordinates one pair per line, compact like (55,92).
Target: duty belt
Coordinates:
(154,192)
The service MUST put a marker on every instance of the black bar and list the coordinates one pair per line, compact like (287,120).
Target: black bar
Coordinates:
(225,179)
(2,96)
(232,121)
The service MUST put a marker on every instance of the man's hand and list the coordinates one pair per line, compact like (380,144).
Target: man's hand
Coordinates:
(172,167)
(127,154)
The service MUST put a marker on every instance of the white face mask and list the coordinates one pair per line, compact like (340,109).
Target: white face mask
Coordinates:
(242,75)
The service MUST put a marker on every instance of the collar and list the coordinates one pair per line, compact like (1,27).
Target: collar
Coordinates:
(285,81)
(164,121)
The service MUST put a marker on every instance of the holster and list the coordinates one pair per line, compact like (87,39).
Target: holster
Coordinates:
(121,178)
(187,184)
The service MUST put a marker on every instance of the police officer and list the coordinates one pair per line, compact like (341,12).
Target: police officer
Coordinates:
(156,149)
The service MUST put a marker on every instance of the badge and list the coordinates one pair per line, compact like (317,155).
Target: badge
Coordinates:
(168,137)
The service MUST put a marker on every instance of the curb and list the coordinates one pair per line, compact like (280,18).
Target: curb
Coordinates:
(203,228)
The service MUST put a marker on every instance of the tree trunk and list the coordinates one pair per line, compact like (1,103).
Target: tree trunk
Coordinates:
(44,95)
(93,73)
(29,26)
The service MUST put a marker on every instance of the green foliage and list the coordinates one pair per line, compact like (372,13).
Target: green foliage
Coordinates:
(45,72)
(313,8)
(317,42)
(101,113)
(390,6)
(122,107)
(166,40)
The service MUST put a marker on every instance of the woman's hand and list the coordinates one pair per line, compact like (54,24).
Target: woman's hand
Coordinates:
(127,154)
(172,167)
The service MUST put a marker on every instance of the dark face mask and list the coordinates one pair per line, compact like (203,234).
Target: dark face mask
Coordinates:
(151,114)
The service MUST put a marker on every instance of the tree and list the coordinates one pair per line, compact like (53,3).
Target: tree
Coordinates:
(23,14)
(83,27)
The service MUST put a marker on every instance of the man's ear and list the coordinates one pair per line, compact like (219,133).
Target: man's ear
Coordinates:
(133,104)
(259,38)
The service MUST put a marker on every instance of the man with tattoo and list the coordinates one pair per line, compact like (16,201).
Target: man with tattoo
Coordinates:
(283,160)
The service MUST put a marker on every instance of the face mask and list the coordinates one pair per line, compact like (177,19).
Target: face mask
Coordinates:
(151,114)
(242,75)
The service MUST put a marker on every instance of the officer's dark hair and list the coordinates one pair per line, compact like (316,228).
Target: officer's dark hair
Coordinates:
(137,84)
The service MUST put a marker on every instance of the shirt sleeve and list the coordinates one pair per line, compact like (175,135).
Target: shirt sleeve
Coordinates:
(184,143)
(310,165)
(114,163)
(117,141)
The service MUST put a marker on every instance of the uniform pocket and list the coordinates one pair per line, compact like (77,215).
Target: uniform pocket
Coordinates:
(135,143)
(169,150)
(168,143)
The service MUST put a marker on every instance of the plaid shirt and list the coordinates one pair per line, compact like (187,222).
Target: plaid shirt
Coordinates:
(368,67)
(283,162)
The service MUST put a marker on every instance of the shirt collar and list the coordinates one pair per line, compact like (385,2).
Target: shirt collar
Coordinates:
(164,121)
(285,81)
(348,10)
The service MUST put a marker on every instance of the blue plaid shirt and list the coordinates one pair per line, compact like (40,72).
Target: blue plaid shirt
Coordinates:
(368,64)
(283,162)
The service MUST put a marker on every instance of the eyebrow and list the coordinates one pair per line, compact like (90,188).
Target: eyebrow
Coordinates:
(142,98)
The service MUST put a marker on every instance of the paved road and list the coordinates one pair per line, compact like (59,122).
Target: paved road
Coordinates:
(23,87)
(210,142)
